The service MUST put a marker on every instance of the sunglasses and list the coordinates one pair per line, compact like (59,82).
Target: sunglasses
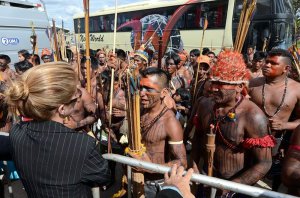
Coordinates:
(78,95)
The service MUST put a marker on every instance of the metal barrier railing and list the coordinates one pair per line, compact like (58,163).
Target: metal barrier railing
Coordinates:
(203,179)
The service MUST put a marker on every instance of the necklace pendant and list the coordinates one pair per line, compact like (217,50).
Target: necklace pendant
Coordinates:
(231,117)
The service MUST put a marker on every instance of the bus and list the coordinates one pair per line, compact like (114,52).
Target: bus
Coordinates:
(272,23)
(17,21)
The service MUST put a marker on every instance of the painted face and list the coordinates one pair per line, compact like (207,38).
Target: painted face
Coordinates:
(193,58)
(21,57)
(101,59)
(249,50)
(274,67)
(138,61)
(3,64)
(203,70)
(258,64)
(171,66)
(221,92)
(46,59)
(149,92)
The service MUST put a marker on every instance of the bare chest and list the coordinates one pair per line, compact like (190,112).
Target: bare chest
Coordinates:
(153,132)
(274,100)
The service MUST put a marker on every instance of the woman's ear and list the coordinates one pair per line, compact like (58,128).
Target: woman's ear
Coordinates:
(61,111)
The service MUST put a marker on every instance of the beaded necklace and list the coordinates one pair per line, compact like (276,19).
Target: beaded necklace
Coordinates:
(231,117)
(281,103)
(146,127)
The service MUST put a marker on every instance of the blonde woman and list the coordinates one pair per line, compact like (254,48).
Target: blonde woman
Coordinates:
(51,159)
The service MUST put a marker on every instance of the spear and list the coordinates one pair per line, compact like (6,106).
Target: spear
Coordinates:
(57,56)
(244,23)
(86,5)
(204,25)
(112,71)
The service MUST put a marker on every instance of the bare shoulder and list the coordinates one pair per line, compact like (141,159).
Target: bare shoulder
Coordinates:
(256,82)
(253,111)
(172,125)
(294,85)
(255,119)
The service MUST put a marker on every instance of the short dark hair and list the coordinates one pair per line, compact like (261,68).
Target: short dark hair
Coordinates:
(23,66)
(24,53)
(283,53)
(5,57)
(94,62)
(196,52)
(259,56)
(205,51)
(173,56)
(211,52)
(154,71)
(121,54)
(184,94)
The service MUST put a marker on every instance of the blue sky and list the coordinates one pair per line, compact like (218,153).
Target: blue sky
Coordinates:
(65,9)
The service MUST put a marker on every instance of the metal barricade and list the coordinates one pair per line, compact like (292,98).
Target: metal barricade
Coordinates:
(203,179)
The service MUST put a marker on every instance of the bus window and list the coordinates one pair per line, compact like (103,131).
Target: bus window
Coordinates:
(283,6)
(259,35)
(263,7)
(82,25)
(215,12)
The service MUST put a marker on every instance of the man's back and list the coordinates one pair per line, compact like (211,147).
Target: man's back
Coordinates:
(54,161)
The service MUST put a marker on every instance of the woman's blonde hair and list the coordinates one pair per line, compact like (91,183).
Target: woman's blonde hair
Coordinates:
(42,89)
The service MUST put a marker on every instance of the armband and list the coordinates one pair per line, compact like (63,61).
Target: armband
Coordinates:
(264,142)
(295,147)
(175,143)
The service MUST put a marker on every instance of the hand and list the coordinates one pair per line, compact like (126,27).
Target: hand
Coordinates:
(277,124)
(181,182)
(118,113)
(70,123)
(112,134)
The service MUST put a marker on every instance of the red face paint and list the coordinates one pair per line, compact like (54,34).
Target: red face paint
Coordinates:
(147,83)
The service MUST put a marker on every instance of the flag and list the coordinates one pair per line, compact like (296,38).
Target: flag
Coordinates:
(203,23)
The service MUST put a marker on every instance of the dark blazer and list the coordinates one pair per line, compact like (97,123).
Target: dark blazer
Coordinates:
(5,148)
(168,193)
(55,161)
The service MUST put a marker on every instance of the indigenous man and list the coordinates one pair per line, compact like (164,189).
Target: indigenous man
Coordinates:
(101,55)
(259,59)
(278,96)
(249,56)
(46,55)
(194,54)
(6,72)
(141,59)
(182,71)
(243,145)
(204,68)
(291,171)
(162,134)
(172,65)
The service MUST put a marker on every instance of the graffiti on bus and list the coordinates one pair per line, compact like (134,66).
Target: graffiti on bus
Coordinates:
(93,38)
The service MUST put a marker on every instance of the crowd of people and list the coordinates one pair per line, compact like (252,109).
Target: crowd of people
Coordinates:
(55,131)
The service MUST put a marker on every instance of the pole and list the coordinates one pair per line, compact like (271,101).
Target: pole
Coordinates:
(57,56)
(203,179)
(210,146)
(159,52)
(86,5)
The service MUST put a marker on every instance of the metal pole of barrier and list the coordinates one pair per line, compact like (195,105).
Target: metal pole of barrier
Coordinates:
(129,181)
(211,181)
